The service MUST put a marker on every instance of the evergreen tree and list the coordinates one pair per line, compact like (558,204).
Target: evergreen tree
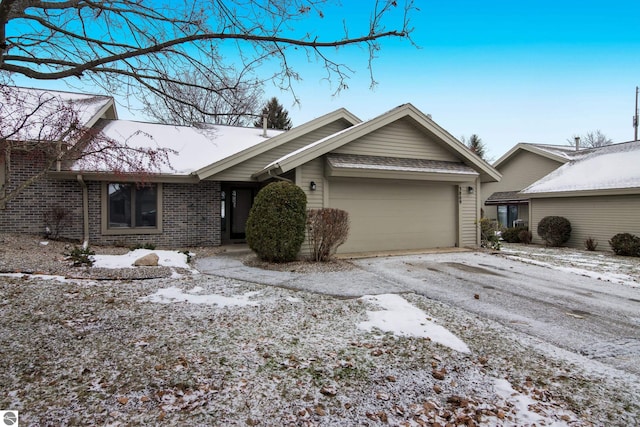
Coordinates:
(277,116)
(476,145)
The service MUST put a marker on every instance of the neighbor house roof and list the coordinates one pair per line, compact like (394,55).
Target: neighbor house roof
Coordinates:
(193,148)
(332,142)
(612,168)
(507,198)
(33,111)
(559,153)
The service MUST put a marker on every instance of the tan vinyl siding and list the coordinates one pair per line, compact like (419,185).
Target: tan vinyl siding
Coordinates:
(600,217)
(391,215)
(519,172)
(244,170)
(399,139)
(468,215)
(313,171)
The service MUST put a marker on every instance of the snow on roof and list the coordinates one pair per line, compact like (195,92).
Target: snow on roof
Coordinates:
(196,147)
(41,107)
(566,151)
(605,168)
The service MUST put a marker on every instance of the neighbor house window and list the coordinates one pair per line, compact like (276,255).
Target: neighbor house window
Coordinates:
(507,214)
(131,206)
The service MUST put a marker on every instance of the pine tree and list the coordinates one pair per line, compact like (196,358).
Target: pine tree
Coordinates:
(277,116)
(476,145)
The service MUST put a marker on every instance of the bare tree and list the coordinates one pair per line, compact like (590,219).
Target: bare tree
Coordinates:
(145,49)
(137,48)
(593,139)
(229,102)
(46,130)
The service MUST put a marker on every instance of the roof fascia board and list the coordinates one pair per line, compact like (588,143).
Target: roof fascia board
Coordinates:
(124,177)
(276,141)
(530,148)
(101,112)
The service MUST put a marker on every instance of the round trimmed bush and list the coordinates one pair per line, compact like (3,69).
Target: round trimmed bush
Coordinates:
(554,230)
(276,224)
(625,244)
(511,234)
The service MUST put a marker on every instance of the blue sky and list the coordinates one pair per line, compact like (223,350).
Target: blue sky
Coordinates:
(509,71)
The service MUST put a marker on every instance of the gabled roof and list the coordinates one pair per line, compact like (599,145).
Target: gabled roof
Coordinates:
(195,147)
(559,153)
(612,168)
(296,132)
(332,142)
(38,106)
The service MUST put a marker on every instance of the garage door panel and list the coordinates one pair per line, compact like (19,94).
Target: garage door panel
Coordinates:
(388,215)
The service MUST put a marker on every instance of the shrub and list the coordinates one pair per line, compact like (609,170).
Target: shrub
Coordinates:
(625,244)
(276,224)
(327,229)
(511,234)
(56,219)
(80,256)
(489,237)
(149,246)
(525,236)
(590,244)
(554,230)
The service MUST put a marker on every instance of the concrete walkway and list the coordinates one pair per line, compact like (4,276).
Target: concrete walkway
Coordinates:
(350,284)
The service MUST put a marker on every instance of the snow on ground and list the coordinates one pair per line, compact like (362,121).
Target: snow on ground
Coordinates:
(404,319)
(595,264)
(204,350)
(166,258)
(175,294)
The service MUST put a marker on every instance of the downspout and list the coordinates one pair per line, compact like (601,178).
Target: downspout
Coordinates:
(85,210)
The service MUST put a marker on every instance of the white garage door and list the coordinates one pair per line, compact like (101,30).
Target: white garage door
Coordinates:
(390,215)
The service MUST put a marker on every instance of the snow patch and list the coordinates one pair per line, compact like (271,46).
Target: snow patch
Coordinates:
(166,258)
(404,319)
(174,294)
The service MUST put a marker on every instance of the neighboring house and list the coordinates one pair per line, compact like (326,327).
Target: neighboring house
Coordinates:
(520,167)
(405,181)
(598,191)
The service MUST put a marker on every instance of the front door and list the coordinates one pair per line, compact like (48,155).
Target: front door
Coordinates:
(241,201)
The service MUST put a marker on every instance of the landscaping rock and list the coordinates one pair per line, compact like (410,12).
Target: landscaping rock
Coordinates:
(150,260)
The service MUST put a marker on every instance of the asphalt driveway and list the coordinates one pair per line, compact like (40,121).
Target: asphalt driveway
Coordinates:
(583,316)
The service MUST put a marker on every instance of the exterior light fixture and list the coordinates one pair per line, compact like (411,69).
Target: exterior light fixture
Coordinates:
(312,186)
(470,190)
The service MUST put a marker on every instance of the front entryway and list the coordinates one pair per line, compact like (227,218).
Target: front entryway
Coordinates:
(240,203)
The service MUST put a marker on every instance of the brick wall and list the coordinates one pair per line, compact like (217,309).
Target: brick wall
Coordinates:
(25,213)
(191,212)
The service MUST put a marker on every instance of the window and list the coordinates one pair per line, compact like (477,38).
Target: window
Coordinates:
(130,206)
(507,214)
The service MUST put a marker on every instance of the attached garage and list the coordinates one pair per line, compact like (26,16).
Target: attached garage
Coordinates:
(391,214)
(405,182)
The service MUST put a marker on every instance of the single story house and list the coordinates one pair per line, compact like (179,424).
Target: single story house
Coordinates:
(598,191)
(405,181)
(520,167)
